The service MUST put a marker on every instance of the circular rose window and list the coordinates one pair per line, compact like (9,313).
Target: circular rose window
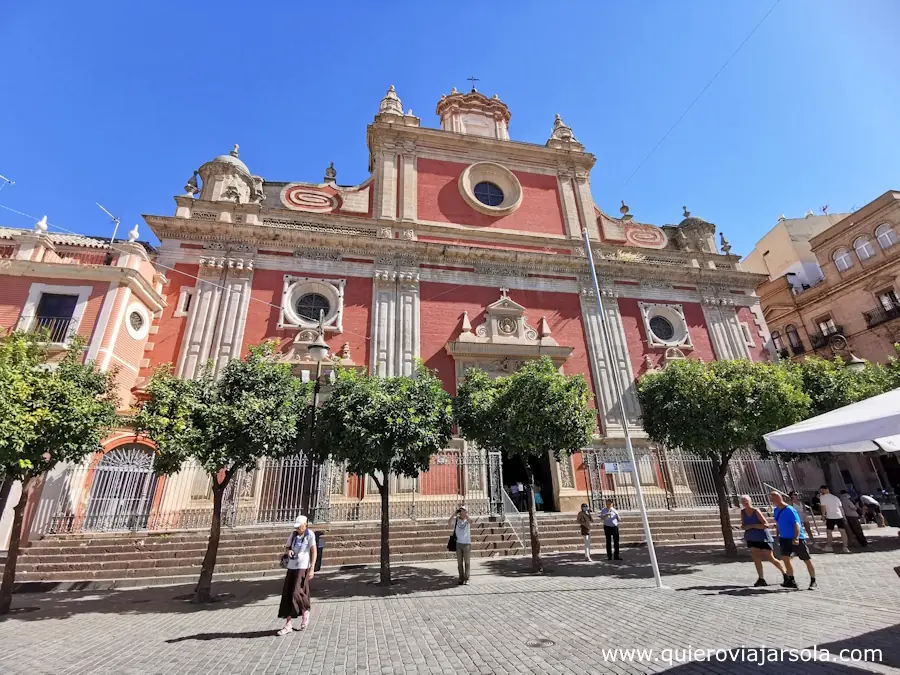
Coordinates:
(136,320)
(662,328)
(490,188)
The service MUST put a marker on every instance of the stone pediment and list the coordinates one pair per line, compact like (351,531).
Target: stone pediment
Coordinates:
(505,339)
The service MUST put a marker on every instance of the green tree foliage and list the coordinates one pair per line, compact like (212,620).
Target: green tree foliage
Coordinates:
(381,426)
(534,412)
(254,408)
(48,414)
(715,409)
(831,385)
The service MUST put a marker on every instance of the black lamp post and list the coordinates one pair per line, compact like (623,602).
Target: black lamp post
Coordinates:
(318,351)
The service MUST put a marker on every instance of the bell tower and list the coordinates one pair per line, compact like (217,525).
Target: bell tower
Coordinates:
(474,114)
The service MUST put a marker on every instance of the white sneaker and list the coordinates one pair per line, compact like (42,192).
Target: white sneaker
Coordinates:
(589,558)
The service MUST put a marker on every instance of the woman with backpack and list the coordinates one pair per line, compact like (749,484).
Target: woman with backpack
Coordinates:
(300,561)
(758,538)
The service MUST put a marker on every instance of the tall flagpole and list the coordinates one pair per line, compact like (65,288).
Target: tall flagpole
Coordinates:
(635,478)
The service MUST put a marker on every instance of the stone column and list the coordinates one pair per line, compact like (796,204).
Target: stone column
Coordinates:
(724,329)
(605,365)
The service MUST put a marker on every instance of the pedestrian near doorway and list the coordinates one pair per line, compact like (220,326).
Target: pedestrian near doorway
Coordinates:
(872,508)
(805,518)
(791,539)
(585,520)
(611,529)
(300,560)
(462,528)
(758,539)
(833,511)
(851,515)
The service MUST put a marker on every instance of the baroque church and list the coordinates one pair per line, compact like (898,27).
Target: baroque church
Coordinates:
(462,248)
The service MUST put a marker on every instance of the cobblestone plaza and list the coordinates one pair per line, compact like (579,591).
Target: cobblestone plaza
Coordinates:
(505,621)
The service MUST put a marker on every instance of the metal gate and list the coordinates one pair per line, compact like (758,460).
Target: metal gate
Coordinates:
(121,492)
(672,479)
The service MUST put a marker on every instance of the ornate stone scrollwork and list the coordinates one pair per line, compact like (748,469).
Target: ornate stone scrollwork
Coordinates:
(385,233)
(318,254)
(565,472)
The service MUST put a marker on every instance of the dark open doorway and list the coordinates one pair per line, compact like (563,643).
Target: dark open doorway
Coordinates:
(514,474)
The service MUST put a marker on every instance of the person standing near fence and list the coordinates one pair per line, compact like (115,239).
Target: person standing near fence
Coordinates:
(805,518)
(791,539)
(851,515)
(585,520)
(611,530)
(462,528)
(833,511)
(758,539)
(300,551)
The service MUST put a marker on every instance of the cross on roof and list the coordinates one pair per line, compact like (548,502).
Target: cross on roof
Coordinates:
(504,292)
(473,80)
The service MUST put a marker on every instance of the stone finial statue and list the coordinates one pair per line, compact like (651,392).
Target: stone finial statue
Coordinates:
(234,151)
(725,246)
(687,214)
(330,174)
(561,130)
(134,234)
(191,189)
(41,226)
(390,104)
(624,211)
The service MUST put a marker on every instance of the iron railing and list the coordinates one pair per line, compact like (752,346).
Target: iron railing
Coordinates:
(881,314)
(820,339)
(59,329)
(120,491)
(673,479)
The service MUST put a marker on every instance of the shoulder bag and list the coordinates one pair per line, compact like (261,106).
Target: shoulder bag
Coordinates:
(451,543)
(285,557)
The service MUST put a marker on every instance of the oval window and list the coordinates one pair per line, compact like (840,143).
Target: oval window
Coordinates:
(662,328)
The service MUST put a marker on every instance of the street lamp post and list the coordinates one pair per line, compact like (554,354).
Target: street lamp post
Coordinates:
(639,493)
(318,351)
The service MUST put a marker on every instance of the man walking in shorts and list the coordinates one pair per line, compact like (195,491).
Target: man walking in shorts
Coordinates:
(833,511)
(791,539)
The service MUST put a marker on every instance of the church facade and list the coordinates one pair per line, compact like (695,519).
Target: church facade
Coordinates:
(462,248)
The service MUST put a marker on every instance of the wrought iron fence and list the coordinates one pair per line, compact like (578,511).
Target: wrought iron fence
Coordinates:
(59,328)
(119,491)
(673,479)
(454,478)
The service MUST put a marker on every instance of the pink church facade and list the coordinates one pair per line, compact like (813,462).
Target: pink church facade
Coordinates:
(463,249)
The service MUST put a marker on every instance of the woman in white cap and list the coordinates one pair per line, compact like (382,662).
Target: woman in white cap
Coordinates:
(301,552)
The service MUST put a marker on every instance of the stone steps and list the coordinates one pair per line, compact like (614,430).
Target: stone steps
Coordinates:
(129,559)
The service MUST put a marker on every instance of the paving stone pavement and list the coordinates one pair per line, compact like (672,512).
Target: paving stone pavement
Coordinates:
(505,621)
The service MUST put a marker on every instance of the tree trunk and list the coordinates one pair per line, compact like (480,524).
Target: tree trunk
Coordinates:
(385,532)
(12,556)
(203,592)
(720,470)
(536,564)
(5,487)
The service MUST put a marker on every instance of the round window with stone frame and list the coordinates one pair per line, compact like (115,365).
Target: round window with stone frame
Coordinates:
(662,328)
(136,321)
(488,193)
(311,305)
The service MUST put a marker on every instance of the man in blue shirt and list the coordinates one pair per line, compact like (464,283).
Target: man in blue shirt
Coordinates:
(792,539)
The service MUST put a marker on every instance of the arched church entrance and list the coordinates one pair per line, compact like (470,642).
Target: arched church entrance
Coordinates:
(122,487)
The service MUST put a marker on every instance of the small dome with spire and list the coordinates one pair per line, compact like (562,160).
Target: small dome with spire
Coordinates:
(390,104)
(233,159)
(475,114)
(690,220)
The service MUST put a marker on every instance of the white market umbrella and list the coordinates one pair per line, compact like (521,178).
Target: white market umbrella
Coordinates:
(866,426)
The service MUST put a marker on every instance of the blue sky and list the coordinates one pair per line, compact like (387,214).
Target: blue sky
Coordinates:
(118,102)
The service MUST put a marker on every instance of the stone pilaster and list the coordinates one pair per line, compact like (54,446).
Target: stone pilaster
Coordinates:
(215,324)
(408,338)
(386,177)
(605,365)
(408,182)
(724,329)
(384,318)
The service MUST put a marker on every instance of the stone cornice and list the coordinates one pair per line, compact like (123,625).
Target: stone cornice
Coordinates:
(381,135)
(102,273)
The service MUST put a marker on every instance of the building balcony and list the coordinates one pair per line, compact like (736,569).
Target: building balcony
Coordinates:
(881,314)
(798,349)
(59,330)
(820,339)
